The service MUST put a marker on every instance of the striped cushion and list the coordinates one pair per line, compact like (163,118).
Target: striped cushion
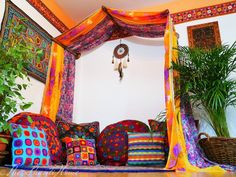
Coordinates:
(146,149)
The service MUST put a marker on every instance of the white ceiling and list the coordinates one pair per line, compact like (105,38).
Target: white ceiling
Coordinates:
(80,9)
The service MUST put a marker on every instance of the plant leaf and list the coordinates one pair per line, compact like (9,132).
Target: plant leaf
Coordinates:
(4,140)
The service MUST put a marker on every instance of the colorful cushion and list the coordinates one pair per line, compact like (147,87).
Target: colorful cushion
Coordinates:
(157,126)
(83,130)
(29,146)
(73,130)
(80,152)
(160,127)
(112,147)
(50,129)
(146,149)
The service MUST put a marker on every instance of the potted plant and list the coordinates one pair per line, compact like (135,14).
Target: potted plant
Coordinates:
(15,55)
(205,77)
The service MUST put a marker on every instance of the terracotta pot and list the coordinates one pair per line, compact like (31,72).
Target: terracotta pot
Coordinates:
(3,146)
(3,157)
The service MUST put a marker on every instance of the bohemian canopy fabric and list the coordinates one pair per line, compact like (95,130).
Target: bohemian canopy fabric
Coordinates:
(59,90)
(65,109)
(178,155)
(52,90)
(107,24)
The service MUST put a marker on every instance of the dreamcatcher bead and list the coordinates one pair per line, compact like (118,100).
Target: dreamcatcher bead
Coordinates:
(112,60)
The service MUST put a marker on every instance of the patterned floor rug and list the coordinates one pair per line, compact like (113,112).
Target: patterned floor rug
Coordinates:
(94,169)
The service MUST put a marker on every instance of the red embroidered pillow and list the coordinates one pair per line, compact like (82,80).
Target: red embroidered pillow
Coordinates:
(112,146)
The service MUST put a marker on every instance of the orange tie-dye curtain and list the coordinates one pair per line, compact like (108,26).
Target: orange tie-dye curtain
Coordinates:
(178,155)
(52,90)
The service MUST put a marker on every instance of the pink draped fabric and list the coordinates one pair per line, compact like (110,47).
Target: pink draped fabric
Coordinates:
(65,110)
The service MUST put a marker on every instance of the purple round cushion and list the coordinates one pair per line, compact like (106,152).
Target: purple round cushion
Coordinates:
(112,146)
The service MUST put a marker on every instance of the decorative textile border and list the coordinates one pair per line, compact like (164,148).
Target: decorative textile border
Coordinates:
(204,12)
(179,17)
(48,14)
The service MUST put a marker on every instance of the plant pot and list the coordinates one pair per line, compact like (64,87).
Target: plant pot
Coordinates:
(3,157)
(219,149)
(3,145)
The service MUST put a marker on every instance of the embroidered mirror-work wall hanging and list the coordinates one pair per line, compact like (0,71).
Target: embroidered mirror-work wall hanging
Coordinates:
(40,38)
(204,35)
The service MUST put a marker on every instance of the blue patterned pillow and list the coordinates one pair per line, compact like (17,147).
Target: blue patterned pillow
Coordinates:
(29,146)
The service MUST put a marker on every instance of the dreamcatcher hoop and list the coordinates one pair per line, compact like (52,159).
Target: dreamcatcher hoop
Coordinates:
(121,51)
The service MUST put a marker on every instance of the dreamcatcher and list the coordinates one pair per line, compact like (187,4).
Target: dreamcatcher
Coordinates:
(119,58)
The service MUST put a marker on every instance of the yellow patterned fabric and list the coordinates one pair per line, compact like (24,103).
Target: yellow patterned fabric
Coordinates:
(178,156)
(52,90)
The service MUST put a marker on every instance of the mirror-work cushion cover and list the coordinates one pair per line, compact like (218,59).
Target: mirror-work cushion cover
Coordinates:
(29,146)
(146,149)
(80,152)
(112,147)
(49,128)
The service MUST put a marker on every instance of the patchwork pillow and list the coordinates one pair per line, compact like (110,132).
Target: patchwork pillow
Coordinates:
(160,127)
(49,127)
(80,152)
(73,130)
(112,146)
(146,149)
(29,146)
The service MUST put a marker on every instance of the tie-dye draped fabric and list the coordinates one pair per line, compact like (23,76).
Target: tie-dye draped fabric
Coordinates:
(180,153)
(107,24)
(52,90)
(184,154)
(59,89)
(65,110)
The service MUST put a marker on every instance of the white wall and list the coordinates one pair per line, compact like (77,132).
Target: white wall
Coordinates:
(99,94)
(35,91)
(227,26)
